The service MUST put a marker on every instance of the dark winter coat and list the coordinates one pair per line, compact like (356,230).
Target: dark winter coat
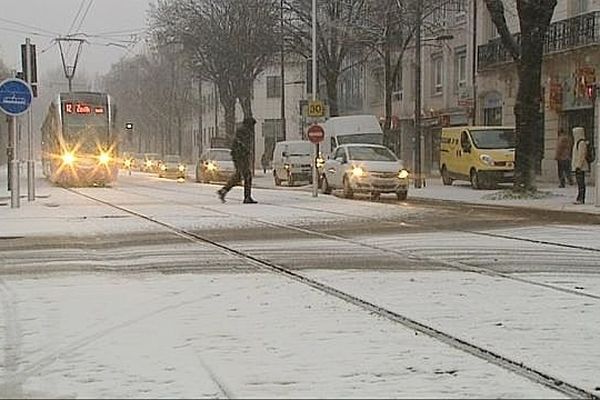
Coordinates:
(241,147)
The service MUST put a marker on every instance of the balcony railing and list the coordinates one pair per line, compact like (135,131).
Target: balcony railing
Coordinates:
(567,34)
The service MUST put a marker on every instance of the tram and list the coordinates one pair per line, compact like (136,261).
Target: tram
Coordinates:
(79,140)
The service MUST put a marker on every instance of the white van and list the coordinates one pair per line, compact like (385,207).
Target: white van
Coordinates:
(292,161)
(349,129)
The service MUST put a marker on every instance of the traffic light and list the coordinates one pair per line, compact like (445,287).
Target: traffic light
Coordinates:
(590,91)
(33,62)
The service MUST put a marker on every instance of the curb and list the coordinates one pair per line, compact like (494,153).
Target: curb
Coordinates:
(545,212)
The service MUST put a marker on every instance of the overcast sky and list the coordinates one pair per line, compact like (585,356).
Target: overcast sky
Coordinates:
(112,21)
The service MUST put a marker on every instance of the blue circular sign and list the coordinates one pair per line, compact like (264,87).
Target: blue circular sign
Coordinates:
(15,97)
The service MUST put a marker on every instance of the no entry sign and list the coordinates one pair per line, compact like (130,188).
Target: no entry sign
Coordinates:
(316,133)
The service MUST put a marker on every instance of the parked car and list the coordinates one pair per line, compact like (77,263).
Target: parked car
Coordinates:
(365,168)
(482,155)
(152,162)
(292,161)
(172,167)
(215,165)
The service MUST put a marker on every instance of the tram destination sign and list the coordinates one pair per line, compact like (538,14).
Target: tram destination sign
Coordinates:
(15,97)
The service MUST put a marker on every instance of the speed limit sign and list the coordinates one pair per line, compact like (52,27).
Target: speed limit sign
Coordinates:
(316,109)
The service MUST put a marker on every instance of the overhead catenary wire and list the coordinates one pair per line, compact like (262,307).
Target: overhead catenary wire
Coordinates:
(32,27)
(76,16)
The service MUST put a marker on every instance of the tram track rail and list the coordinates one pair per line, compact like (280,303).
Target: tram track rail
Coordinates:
(471,348)
(407,254)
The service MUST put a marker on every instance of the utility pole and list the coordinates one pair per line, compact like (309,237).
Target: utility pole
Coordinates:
(10,151)
(200,138)
(597,144)
(418,139)
(15,193)
(474,63)
(30,78)
(314,91)
(282,60)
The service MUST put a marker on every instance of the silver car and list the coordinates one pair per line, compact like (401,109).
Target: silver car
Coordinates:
(365,168)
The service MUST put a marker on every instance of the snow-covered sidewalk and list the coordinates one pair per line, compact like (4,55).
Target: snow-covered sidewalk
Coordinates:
(555,199)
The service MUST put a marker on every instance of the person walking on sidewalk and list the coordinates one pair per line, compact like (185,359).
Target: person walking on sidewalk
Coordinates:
(580,163)
(264,161)
(241,150)
(564,147)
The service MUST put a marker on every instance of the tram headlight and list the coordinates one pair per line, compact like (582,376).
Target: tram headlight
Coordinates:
(104,158)
(68,158)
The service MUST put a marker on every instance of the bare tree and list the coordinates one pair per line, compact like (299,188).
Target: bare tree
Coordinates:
(387,32)
(154,93)
(337,37)
(534,19)
(228,42)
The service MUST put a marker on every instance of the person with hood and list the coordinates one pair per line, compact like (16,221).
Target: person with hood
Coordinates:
(241,151)
(580,164)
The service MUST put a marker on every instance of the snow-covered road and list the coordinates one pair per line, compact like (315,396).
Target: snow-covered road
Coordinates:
(96,302)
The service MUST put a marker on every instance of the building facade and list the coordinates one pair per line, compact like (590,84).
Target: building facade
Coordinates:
(571,63)
(266,108)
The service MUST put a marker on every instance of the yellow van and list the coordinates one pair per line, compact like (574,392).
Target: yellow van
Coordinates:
(482,155)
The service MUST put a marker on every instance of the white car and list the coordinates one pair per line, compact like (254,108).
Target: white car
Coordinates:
(365,168)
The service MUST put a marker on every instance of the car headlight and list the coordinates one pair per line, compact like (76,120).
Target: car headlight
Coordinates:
(211,166)
(286,166)
(181,168)
(104,158)
(403,174)
(486,159)
(148,163)
(358,172)
(127,163)
(320,162)
(68,158)
(163,167)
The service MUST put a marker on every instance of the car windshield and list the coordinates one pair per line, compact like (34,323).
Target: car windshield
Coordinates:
(367,138)
(494,139)
(172,159)
(302,150)
(220,155)
(371,154)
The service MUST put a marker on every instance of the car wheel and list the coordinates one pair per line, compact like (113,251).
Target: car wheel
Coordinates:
(475,183)
(348,193)
(402,195)
(446,180)
(375,196)
(325,188)
(276,178)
